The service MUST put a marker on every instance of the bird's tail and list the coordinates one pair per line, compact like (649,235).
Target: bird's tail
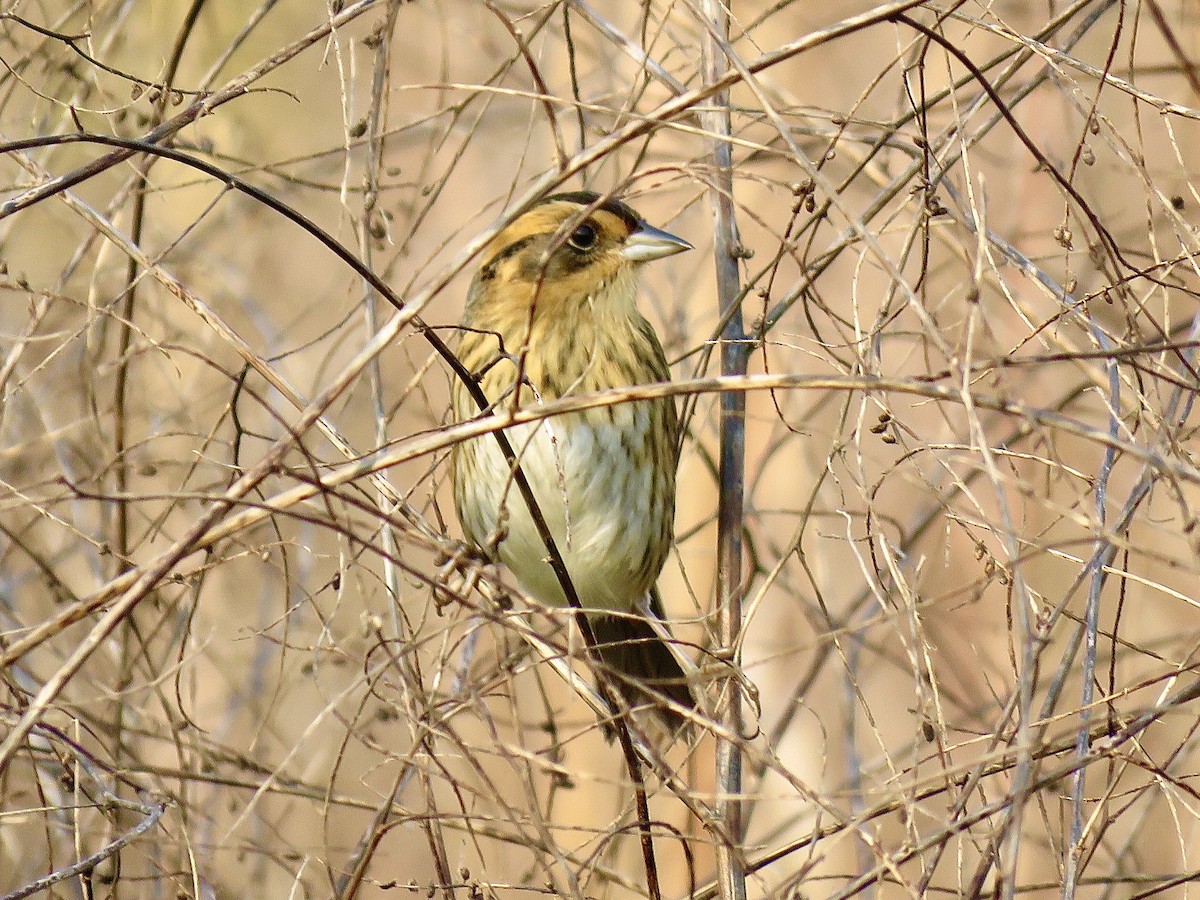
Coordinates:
(642,666)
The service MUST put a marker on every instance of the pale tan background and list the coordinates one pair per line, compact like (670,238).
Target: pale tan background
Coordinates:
(296,700)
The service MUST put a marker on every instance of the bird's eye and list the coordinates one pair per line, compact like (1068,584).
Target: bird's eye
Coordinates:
(583,237)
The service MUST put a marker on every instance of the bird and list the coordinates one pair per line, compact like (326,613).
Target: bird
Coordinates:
(553,306)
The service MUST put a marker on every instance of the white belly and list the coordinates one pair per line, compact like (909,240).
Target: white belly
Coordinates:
(596,499)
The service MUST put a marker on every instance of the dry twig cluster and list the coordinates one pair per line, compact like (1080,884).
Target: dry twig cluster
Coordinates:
(243,652)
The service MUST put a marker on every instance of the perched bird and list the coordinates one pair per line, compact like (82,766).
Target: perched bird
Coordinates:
(555,300)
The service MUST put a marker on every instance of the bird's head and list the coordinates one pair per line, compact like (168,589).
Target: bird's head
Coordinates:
(571,249)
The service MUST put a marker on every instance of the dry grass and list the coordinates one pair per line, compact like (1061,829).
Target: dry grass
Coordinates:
(243,653)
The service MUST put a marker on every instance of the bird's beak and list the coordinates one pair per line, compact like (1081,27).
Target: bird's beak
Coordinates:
(648,243)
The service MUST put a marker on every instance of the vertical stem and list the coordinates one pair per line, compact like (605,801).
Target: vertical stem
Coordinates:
(367,221)
(1104,551)
(132,642)
(715,119)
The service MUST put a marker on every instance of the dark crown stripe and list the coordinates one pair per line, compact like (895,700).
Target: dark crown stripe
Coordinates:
(611,205)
